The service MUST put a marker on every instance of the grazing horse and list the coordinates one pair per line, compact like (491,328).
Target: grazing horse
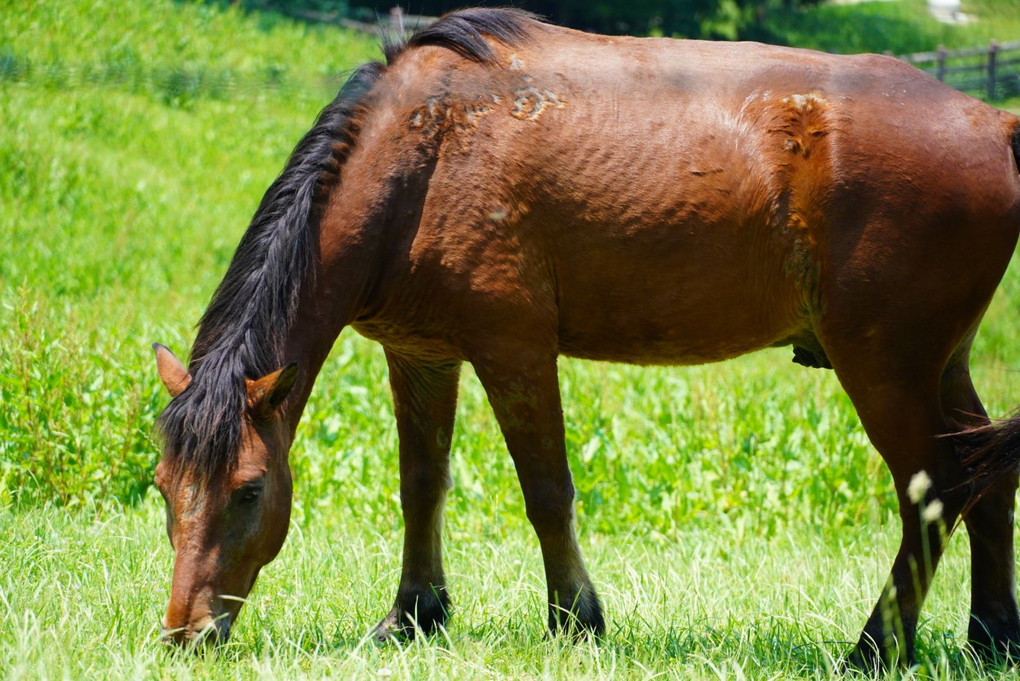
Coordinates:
(502,191)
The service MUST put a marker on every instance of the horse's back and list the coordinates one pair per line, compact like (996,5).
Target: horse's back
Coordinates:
(685,201)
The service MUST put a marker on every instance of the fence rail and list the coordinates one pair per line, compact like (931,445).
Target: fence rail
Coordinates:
(992,71)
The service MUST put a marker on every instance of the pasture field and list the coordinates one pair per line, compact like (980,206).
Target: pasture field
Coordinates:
(734,517)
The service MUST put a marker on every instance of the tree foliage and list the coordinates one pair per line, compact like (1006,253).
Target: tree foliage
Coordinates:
(687,18)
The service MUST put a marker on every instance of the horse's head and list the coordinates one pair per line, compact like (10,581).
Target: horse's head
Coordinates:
(226,522)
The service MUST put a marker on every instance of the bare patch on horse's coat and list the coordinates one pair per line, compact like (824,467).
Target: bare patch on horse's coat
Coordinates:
(803,103)
(436,116)
(428,116)
(529,102)
(192,499)
(804,121)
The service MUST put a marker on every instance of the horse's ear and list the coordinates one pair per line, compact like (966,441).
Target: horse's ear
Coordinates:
(267,393)
(173,374)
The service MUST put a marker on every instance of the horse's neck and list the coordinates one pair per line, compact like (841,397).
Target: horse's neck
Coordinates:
(333,297)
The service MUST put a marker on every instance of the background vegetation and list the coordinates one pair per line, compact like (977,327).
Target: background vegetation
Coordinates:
(874,26)
(735,517)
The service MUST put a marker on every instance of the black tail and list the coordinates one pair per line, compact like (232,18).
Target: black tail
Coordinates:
(990,452)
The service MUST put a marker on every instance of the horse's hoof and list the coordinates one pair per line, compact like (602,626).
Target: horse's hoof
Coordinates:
(390,630)
(865,663)
(997,651)
(425,613)
(582,621)
(868,659)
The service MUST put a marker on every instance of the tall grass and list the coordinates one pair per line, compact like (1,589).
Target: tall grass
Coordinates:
(122,200)
(735,517)
(83,600)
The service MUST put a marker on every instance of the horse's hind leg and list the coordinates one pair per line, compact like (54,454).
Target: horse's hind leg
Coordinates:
(424,403)
(521,383)
(899,406)
(995,621)
(995,618)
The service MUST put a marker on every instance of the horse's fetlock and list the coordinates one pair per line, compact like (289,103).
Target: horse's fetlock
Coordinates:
(416,611)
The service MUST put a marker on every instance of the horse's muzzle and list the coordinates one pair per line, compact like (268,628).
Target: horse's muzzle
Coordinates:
(207,633)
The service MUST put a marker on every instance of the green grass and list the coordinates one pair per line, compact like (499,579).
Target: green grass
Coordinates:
(735,518)
(82,601)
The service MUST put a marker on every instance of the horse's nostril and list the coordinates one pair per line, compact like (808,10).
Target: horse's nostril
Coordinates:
(211,632)
(171,636)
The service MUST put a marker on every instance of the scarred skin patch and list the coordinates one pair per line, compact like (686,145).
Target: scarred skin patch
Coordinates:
(428,116)
(804,122)
(530,102)
(436,114)
(803,103)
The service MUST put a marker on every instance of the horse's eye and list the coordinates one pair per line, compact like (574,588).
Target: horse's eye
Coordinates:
(250,495)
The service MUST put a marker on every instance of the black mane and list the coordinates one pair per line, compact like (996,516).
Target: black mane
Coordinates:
(465,31)
(241,333)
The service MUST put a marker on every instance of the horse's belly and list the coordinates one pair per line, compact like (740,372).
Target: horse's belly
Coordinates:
(675,341)
(661,350)
(658,316)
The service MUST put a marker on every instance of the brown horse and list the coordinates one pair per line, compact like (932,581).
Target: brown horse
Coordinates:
(503,191)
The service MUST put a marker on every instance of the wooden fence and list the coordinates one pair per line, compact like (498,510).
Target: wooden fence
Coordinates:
(992,71)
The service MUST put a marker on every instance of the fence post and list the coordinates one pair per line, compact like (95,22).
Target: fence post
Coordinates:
(993,52)
(940,60)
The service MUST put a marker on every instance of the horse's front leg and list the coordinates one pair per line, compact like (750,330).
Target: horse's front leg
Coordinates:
(521,383)
(424,403)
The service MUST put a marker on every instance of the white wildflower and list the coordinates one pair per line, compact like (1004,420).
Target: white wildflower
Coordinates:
(918,487)
(932,512)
